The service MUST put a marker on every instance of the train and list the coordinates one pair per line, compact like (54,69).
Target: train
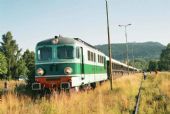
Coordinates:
(65,63)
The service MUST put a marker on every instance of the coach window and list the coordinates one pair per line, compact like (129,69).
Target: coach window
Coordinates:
(101,59)
(94,57)
(78,52)
(104,62)
(113,66)
(98,58)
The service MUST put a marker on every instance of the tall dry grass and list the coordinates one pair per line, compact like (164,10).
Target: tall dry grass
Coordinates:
(165,83)
(10,84)
(121,100)
(155,94)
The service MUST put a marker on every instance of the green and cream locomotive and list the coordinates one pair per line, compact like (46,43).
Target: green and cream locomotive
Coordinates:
(65,63)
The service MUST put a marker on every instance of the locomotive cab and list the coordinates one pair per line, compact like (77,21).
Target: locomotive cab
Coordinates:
(57,61)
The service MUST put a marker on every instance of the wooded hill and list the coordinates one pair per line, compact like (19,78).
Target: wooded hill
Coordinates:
(146,50)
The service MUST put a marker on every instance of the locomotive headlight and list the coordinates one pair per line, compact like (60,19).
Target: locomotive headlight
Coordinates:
(55,41)
(68,70)
(40,71)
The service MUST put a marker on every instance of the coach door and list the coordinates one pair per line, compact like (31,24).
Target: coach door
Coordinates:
(82,63)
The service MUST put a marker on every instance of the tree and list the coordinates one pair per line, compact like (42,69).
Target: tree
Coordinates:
(11,52)
(21,69)
(28,57)
(164,63)
(3,64)
(140,63)
(153,66)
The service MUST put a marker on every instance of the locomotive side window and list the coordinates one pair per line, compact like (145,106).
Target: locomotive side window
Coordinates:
(101,59)
(91,57)
(78,52)
(65,52)
(88,53)
(45,53)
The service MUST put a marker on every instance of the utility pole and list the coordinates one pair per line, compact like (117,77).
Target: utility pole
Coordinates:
(125,26)
(109,47)
(133,54)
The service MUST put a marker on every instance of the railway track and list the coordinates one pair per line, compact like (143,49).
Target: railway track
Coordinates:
(138,98)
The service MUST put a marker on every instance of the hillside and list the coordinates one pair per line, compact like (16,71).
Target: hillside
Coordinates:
(146,50)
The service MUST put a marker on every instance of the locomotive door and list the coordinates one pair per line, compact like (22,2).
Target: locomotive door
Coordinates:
(82,63)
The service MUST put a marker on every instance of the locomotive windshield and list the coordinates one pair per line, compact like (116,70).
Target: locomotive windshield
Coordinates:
(65,52)
(45,53)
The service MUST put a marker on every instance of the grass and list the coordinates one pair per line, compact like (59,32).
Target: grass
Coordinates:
(155,94)
(121,100)
(12,86)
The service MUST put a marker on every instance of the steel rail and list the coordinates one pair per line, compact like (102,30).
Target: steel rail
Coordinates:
(138,99)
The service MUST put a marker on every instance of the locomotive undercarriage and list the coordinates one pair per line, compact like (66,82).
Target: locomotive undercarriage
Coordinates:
(43,86)
(47,85)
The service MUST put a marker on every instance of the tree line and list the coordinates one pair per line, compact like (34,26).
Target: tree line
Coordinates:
(14,64)
(163,64)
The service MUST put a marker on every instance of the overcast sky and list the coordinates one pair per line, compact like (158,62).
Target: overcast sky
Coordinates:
(31,21)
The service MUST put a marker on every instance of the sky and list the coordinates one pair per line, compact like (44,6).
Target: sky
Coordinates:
(31,21)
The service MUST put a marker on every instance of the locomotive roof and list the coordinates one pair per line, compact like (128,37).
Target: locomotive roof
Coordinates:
(63,40)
